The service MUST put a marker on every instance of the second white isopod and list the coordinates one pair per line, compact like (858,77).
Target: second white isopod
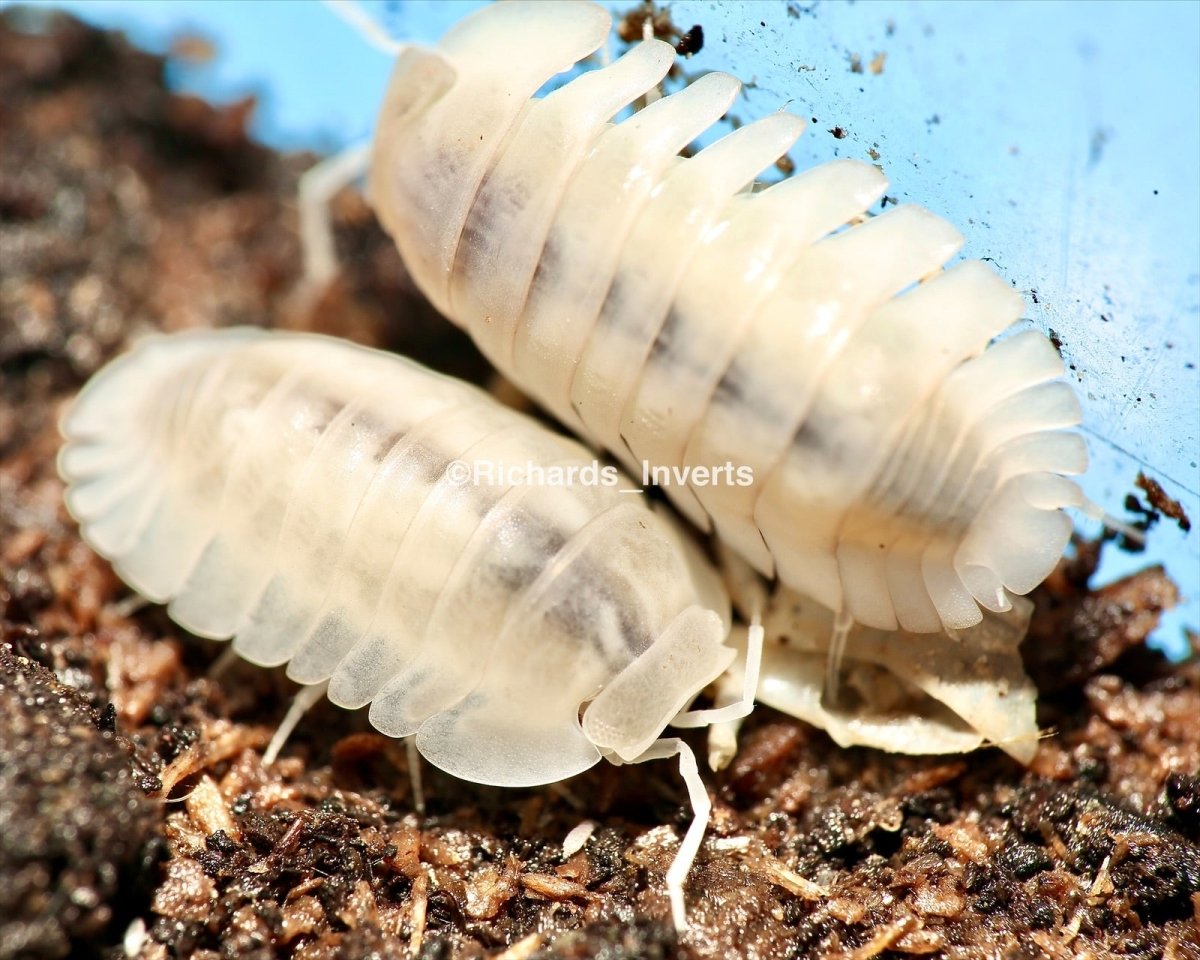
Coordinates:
(348,513)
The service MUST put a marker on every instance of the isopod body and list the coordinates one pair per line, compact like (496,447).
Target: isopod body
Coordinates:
(905,472)
(356,516)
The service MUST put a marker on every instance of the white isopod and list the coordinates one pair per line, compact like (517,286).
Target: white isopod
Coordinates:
(404,537)
(905,473)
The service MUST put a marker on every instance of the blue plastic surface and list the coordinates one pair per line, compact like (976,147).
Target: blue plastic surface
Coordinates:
(1063,139)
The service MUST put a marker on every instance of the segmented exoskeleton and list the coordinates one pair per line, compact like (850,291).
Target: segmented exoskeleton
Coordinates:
(354,515)
(905,472)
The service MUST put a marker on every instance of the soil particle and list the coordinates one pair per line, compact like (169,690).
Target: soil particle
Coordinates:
(1160,502)
(1078,632)
(691,42)
(135,805)
(76,828)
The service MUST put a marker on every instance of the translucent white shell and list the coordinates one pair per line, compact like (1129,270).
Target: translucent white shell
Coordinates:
(308,497)
(904,471)
(903,694)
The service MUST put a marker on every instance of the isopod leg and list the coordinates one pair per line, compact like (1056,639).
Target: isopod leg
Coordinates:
(414,774)
(702,811)
(1094,511)
(366,26)
(745,585)
(301,704)
(318,186)
(227,659)
(748,591)
(742,706)
(843,623)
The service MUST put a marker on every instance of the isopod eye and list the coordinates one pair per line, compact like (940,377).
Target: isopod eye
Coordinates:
(632,710)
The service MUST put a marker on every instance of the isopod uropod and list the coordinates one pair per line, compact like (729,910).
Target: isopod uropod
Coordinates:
(906,473)
(322,503)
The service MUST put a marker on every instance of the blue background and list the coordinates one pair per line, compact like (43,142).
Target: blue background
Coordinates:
(1063,139)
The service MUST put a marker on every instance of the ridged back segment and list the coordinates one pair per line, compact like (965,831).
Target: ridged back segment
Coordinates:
(364,520)
(440,131)
(903,472)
